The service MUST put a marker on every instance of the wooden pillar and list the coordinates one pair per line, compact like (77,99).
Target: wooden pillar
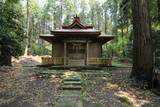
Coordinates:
(101,50)
(87,54)
(52,49)
(65,53)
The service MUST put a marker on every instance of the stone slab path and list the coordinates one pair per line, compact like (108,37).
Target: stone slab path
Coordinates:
(70,91)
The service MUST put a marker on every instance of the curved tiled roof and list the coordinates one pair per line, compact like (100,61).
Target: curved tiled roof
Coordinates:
(77,30)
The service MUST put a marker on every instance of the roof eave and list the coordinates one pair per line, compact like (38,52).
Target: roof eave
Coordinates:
(76,32)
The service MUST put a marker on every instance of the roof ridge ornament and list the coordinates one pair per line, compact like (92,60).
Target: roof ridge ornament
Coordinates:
(76,19)
(76,24)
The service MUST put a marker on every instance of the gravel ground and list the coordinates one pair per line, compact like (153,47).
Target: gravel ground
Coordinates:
(118,91)
(19,87)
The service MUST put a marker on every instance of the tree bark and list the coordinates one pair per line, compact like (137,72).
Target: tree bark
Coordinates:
(54,16)
(92,17)
(5,58)
(61,13)
(142,42)
(27,30)
(115,17)
(158,6)
(105,28)
(122,34)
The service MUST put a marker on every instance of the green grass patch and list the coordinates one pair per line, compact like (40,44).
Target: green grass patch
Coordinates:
(96,74)
(98,105)
(118,64)
(48,74)
(124,100)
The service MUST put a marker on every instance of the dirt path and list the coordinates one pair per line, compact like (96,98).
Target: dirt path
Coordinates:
(20,87)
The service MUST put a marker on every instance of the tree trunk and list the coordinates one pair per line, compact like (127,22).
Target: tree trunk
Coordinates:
(122,33)
(115,17)
(92,17)
(61,13)
(105,28)
(54,16)
(142,42)
(158,6)
(5,59)
(27,32)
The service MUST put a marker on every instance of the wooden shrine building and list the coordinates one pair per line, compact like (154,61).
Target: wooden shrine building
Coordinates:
(76,44)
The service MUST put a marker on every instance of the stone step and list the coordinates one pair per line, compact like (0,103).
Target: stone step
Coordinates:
(66,102)
(70,87)
(71,93)
(72,79)
(96,74)
(76,62)
(69,99)
(71,83)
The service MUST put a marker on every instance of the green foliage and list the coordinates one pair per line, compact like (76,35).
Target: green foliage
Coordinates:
(117,47)
(155,30)
(124,100)
(156,39)
(11,29)
(118,64)
(67,20)
(40,49)
(39,23)
(153,7)
(112,17)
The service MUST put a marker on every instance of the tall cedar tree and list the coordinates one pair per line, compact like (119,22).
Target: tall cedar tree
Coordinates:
(142,45)
(11,31)
(27,28)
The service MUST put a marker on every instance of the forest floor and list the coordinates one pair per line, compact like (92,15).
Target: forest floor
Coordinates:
(26,85)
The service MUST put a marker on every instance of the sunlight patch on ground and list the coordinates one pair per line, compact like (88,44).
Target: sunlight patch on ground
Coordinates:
(33,78)
(27,60)
(111,86)
(131,98)
(6,101)
(71,73)
(53,78)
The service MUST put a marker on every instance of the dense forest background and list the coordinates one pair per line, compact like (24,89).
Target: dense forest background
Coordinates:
(30,18)
(135,53)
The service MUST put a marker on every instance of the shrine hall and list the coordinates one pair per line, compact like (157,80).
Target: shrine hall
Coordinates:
(77,45)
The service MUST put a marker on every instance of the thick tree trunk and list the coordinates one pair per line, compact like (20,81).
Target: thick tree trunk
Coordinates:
(142,46)
(5,59)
